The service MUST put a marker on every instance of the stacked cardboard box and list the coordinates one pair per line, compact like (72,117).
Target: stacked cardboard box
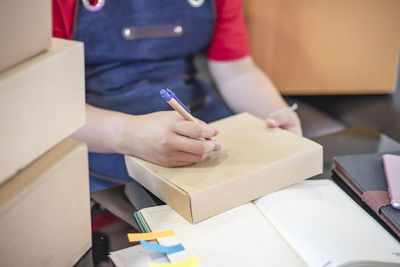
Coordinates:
(25,30)
(44,210)
(44,181)
(41,103)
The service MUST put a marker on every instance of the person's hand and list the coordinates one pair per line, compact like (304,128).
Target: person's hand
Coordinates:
(167,139)
(287,120)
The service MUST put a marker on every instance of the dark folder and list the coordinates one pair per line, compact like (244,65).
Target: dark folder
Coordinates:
(364,177)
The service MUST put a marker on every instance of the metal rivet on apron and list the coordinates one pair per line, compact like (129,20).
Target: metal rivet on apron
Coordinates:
(195,3)
(178,29)
(126,32)
(93,5)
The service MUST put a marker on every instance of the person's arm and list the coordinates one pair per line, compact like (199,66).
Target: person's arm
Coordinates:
(242,84)
(162,137)
(245,87)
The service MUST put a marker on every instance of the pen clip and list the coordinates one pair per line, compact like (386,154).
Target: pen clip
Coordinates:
(177,99)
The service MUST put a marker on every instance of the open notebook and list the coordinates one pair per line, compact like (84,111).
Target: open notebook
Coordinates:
(312,223)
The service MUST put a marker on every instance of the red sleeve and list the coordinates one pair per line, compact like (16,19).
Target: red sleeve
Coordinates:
(63,18)
(230,40)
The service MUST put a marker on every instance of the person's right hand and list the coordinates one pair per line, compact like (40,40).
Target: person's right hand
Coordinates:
(167,139)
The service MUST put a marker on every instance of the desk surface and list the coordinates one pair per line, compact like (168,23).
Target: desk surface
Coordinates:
(379,112)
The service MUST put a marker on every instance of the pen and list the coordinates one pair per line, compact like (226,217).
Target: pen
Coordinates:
(176,104)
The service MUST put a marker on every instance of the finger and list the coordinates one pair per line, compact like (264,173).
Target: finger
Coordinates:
(281,120)
(195,146)
(175,163)
(204,123)
(271,123)
(194,130)
(181,164)
(178,158)
(182,158)
(287,121)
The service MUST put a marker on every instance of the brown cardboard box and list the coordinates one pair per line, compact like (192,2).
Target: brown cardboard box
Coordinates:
(326,47)
(42,101)
(254,161)
(25,30)
(45,210)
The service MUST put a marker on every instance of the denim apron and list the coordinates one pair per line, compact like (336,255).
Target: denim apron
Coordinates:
(134,48)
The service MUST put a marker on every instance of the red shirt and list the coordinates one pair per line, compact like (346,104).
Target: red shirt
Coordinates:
(229,42)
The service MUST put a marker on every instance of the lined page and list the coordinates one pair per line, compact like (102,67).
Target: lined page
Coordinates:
(238,237)
(325,226)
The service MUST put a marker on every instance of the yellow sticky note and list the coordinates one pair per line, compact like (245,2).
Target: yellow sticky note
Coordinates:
(149,236)
(192,261)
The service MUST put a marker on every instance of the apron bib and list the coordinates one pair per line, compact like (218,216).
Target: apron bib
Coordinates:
(135,48)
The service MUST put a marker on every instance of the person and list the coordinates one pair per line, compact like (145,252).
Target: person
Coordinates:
(135,48)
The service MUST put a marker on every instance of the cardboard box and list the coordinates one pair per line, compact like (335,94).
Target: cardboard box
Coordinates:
(42,101)
(45,210)
(25,30)
(326,47)
(253,162)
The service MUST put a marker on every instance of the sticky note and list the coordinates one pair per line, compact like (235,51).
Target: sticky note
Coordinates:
(192,261)
(149,236)
(160,248)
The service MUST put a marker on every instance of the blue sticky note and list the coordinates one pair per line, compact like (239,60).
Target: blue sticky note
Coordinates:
(160,248)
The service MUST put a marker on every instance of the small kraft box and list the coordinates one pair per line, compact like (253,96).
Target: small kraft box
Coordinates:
(314,47)
(45,210)
(253,162)
(42,101)
(25,30)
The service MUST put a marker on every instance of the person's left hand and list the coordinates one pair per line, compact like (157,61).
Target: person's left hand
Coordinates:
(287,120)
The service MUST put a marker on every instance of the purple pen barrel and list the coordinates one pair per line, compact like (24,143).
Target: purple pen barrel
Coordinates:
(168,95)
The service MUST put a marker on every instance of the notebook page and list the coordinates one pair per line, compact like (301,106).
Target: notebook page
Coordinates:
(325,226)
(237,237)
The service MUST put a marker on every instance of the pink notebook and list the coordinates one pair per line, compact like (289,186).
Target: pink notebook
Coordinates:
(391,164)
